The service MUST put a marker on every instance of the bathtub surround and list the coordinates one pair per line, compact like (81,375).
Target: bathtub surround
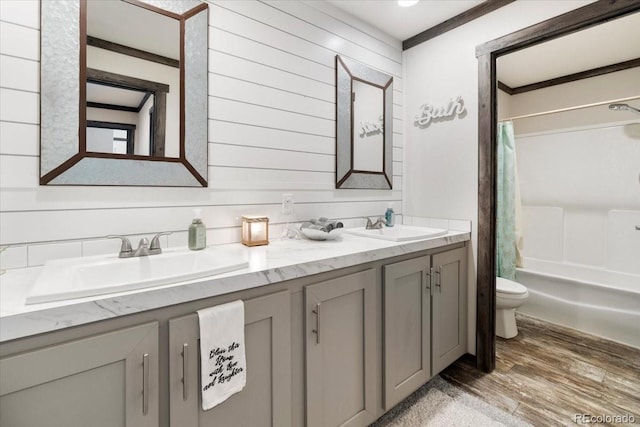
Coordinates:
(584,207)
(582,248)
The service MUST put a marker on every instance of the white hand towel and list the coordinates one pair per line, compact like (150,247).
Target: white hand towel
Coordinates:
(223,365)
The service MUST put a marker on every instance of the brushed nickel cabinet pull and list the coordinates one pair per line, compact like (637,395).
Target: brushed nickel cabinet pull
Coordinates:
(434,282)
(145,384)
(427,279)
(439,281)
(317,329)
(185,371)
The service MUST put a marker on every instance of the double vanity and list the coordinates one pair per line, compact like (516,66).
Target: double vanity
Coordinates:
(337,332)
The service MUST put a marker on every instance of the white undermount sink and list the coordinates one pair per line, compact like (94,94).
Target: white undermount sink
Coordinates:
(96,275)
(398,233)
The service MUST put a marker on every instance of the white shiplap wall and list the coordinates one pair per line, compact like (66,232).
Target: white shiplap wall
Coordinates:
(271,131)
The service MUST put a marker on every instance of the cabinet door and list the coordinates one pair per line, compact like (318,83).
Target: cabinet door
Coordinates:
(449,318)
(266,398)
(407,320)
(105,380)
(341,351)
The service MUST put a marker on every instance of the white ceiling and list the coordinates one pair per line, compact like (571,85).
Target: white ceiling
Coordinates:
(606,44)
(133,26)
(599,46)
(404,22)
(104,94)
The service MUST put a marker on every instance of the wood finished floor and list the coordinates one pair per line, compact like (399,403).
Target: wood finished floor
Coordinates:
(549,373)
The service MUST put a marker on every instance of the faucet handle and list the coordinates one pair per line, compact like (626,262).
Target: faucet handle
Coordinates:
(125,247)
(369,223)
(155,242)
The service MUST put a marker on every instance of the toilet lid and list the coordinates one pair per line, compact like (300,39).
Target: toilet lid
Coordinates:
(507,286)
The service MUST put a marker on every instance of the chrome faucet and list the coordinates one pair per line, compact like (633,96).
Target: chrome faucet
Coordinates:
(374,225)
(154,248)
(144,248)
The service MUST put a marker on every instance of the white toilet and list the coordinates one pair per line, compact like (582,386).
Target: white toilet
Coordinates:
(509,296)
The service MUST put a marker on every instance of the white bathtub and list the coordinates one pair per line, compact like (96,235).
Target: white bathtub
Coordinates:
(596,301)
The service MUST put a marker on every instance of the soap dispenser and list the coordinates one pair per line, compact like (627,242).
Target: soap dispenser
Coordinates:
(197,232)
(389,217)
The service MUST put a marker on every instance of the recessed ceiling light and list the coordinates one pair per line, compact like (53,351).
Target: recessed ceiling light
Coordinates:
(407,3)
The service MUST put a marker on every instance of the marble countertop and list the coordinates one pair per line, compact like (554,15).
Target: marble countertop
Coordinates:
(279,261)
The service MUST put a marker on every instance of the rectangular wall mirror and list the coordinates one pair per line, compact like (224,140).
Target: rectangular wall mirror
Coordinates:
(364,126)
(124,92)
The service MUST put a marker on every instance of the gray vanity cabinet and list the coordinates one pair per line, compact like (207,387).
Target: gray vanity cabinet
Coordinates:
(322,351)
(341,351)
(106,380)
(449,308)
(407,328)
(265,399)
(425,320)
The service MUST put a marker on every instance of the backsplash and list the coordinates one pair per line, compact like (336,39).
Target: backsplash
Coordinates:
(33,255)
(271,131)
(447,224)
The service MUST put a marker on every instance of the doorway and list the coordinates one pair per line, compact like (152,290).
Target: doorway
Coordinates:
(487,54)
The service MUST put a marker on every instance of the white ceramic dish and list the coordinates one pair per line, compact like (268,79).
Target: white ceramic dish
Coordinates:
(314,234)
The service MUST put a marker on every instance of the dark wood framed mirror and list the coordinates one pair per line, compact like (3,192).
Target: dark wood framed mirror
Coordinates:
(364,126)
(132,66)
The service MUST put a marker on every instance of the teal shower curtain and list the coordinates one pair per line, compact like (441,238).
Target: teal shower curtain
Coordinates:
(507,203)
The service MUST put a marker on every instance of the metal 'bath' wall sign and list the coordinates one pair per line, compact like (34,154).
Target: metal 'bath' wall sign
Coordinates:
(430,113)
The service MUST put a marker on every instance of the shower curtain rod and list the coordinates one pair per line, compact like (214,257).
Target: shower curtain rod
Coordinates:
(577,107)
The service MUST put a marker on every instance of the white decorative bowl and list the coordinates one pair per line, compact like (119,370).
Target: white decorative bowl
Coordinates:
(313,234)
